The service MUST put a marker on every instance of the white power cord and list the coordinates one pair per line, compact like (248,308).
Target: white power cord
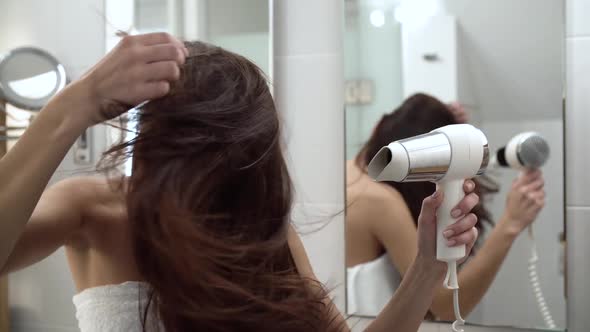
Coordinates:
(536,284)
(451,282)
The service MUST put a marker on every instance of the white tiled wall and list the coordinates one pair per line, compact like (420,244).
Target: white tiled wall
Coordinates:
(73,31)
(577,18)
(308,87)
(578,114)
(578,162)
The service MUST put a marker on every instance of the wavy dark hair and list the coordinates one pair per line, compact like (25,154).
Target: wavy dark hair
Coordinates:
(418,114)
(209,201)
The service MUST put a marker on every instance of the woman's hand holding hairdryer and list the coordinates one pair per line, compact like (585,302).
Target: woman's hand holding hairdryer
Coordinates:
(462,232)
(524,201)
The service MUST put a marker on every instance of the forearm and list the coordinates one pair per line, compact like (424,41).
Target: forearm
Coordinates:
(26,169)
(406,310)
(478,273)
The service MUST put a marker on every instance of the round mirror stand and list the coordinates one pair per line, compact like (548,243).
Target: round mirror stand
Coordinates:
(29,77)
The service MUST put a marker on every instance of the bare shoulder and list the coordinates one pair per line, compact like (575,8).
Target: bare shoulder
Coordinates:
(375,199)
(382,193)
(79,184)
(86,191)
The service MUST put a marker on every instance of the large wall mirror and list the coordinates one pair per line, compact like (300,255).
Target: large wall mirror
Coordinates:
(497,64)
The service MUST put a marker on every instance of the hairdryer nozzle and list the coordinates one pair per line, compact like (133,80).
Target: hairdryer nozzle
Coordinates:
(525,150)
(420,158)
(533,151)
(391,163)
(449,152)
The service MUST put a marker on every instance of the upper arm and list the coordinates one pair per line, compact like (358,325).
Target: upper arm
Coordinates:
(306,271)
(391,222)
(55,219)
(299,254)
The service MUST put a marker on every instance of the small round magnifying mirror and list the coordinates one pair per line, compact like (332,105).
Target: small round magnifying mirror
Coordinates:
(29,77)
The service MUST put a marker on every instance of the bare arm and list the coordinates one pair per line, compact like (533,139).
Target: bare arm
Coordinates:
(56,219)
(139,68)
(394,227)
(406,310)
(474,277)
(305,270)
(524,202)
(28,166)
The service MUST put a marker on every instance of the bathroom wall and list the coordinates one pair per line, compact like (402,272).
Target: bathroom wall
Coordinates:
(372,53)
(578,162)
(73,31)
(308,90)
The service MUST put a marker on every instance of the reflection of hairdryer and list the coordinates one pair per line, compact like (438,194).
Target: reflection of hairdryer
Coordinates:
(525,150)
(529,150)
(448,156)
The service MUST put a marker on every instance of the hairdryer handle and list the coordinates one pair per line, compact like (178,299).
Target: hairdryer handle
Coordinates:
(453,194)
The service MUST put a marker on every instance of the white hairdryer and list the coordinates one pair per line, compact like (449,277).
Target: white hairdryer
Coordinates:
(529,150)
(526,150)
(447,155)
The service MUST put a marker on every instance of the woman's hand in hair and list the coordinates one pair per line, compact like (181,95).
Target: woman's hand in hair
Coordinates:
(462,232)
(139,68)
(459,112)
(524,201)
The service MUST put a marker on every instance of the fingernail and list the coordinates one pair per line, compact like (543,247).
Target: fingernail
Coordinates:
(448,233)
(455,213)
(451,243)
(471,186)
(435,195)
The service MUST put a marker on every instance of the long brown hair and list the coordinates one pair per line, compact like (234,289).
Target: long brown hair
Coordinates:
(209,201)
(418,114)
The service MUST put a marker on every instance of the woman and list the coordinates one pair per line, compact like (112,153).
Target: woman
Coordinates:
(198,237)
(381,218)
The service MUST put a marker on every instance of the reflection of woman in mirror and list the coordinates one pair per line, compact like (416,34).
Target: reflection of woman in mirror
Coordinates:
(381,218)
(199,236)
